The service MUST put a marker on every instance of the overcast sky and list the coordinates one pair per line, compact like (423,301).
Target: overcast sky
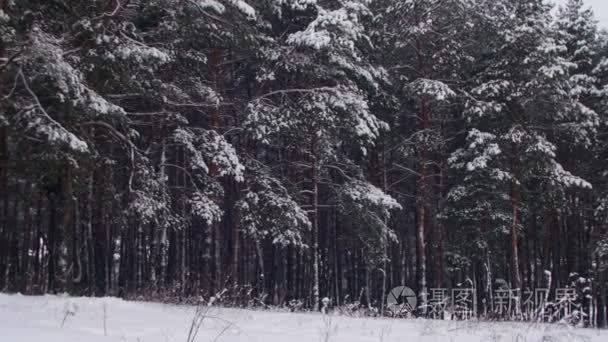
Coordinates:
(600,8)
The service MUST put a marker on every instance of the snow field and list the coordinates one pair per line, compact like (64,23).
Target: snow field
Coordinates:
(70,319)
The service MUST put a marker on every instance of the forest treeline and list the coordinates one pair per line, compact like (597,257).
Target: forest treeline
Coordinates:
(283,151)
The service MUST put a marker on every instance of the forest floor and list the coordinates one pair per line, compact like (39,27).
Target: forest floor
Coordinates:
(71,319)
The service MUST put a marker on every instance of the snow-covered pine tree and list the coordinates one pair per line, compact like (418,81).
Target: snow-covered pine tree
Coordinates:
(106,87)
(313,100)
(427,51)
(511,146)
(272,151)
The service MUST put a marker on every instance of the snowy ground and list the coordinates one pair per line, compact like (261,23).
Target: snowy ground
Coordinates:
(24,319)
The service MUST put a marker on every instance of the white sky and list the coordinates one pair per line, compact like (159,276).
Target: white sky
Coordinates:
(600,8)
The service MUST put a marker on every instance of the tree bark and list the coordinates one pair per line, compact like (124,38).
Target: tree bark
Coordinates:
(4,195)
(515,272)
(52,241)
(514,229)
(314,201)
(421,206)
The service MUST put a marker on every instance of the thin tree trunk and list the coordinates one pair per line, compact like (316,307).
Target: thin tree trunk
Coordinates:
(218,256)
(36,245)
(235,251)
(424,119)
(67,246)
(99,231)
(52,241)
(514,232)
(4,159)
(488,284)
(421,208)
(90,260)
(387,242)
(4,195)
(516,275)
(13,257)
(26,238)
(314,201)
(601,296)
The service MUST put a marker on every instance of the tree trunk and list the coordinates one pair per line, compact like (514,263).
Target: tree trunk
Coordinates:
(421,253)
(26,237)
(67,245)
(36,245)
(13,248)
(236,246)
(4,194)
(424,120)
(514,231)
(601,294)
(4,158)
(387,242)
(516,275)
(421,207)
(52,241)
(314,201)
(90,240)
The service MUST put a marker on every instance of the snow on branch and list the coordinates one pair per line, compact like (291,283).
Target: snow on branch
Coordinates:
(479,152)
(433,89)
(560,176)
(204,207)
(341,27)
(268,211)
(219,8)
(366,196)
(207,147)
(47,68)
(40,121)
(332,107)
